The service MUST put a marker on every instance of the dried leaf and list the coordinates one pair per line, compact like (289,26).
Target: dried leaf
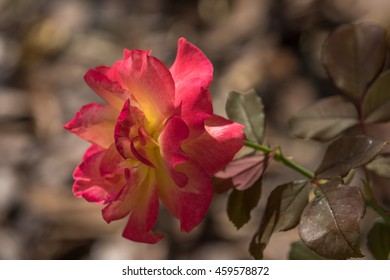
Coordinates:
(325,119)
(346,153)
(376,106)
(241,203)
(330,223)
(299,251)
(379,240)
(248,110)
(244,172)
(284,208)
(381,166)
(354,55)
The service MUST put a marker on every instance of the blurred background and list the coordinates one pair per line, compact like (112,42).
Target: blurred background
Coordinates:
(46,46)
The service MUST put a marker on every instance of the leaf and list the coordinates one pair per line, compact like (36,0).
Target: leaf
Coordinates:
(346,153)
(354,55)
(376,106)
(381,166)
(248,110)
(325,119)
(282,212)
(299,251)
(244,172)
(241,203)
(330,223)
(378,240)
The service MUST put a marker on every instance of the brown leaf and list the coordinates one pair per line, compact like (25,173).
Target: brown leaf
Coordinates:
(346,153)
(330,223)
(284,208)
(354,55)
(376,106)
(325,119)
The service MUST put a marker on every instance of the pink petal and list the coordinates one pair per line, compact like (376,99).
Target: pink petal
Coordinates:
(195,109)
(94,123)
(189,203)
(150,83)
(195,197)
(140,153)
(93,149)
(171,138)
(136,189)
(142,220)
(217,146)
(192,72)
(139,199)
(111,163)
(191,68)
(109,90)
(127,124)
(90,183)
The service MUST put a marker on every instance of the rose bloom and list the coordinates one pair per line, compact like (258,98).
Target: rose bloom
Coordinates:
(156,140)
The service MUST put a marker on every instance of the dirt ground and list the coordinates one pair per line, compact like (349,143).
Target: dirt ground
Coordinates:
(46,46)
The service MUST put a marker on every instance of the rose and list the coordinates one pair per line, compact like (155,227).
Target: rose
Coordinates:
(156,139)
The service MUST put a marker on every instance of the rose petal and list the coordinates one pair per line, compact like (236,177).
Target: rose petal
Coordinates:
(190,203)
(195,109)
(192,72)
(90,183)
(151,84)
(142,220)
(136,189)
(175,131)
(190,69)
(139,199)
(93,149)
(111,162)
(140,153)
(109,90)
(217,146)
(127,124)
(94,123)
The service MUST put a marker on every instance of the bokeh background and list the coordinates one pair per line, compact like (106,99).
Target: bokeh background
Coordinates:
(46,46)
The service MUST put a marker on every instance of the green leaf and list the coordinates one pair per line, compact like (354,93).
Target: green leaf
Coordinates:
(354,55)
(248,110)
(241,203)
(381,166)
(346,153)
(325,119)
(376,106)
(299,251)
(378,240)
(330,223)
(282,212)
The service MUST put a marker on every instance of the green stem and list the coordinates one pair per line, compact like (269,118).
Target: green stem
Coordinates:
(278,156)
(264,149)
